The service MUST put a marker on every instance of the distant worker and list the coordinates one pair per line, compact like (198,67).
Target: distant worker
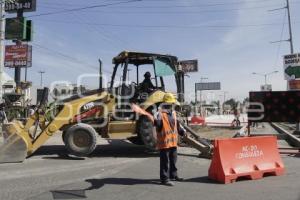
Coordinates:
(147,86)
(2,115)
(236,120)
(168,128)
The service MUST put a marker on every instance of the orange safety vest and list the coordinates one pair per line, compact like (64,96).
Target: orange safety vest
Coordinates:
(167,137)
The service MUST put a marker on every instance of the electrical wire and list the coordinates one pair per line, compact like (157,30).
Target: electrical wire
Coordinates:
(65,56)
(165,26)
(189,12)
(83,8)
(198,5)
(181,6)
(105,36)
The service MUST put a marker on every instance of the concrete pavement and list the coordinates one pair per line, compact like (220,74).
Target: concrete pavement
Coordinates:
(140,182)
(267,129)
(121,170)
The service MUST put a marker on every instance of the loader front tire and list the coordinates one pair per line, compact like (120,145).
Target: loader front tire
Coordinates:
(147,132)
(80,140)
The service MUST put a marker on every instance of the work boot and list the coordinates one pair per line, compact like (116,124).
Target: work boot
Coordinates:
(167,183)
(179,179)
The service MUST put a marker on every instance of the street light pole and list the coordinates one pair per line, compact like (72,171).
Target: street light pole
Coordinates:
(2,37)
(41,73)
(265,75)
(224,100)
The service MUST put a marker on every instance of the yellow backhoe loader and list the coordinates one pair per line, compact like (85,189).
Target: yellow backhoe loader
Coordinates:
(122,110)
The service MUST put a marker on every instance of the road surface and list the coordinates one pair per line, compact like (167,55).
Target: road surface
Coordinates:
(120,170)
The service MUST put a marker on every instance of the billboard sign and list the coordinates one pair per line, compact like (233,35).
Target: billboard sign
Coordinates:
(12,6)
(18,56)
(208,86)
(266,87)
(278,106)
(292,66)
(189,66)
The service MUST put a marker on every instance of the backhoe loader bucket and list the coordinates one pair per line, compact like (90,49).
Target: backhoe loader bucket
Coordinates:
(14,146)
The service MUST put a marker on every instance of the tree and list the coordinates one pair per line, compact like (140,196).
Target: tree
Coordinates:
(246,100)
(231,102)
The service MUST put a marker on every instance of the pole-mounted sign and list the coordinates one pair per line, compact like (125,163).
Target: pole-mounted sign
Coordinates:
(208,86)
(18,28)
(18,56)
(292,70)
(13,6)
(188,66)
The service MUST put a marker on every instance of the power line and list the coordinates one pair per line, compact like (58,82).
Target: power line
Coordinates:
(84,8)
(184,6)
(198,5)
(165,26)
(68,57)
(116,41)
(190,12)
(177,12)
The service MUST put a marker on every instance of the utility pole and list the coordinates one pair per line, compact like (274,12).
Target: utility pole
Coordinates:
(18,69)
(290,26)
(2,37)
(291,45)
(290,40)
(41,74)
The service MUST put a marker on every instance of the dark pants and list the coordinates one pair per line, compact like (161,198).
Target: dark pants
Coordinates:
(168,159)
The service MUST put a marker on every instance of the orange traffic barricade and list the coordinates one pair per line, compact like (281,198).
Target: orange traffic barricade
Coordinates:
(248,157)
(198,120)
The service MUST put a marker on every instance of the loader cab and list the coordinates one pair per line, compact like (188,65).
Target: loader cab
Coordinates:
(128,75)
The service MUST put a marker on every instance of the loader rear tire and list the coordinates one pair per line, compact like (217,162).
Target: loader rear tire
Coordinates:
(80,140)
(147,132)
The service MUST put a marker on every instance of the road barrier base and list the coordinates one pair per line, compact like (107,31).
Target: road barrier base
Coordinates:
(245,158)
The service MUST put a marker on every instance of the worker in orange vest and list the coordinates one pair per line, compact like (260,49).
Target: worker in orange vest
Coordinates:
(168,128)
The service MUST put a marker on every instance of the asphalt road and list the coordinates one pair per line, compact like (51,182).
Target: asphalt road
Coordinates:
(120,170)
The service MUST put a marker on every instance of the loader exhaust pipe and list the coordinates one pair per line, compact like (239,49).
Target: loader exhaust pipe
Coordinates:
(100,75)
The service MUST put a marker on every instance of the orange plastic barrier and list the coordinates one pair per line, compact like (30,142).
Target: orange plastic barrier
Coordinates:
(248,157)
(198,120)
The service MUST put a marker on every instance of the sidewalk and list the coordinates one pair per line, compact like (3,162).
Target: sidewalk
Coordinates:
(224,120)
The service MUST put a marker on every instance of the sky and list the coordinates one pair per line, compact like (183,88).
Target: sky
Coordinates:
(231,39)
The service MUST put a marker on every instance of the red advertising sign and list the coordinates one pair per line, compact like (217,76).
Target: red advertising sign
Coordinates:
(294,84)
(18,56)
